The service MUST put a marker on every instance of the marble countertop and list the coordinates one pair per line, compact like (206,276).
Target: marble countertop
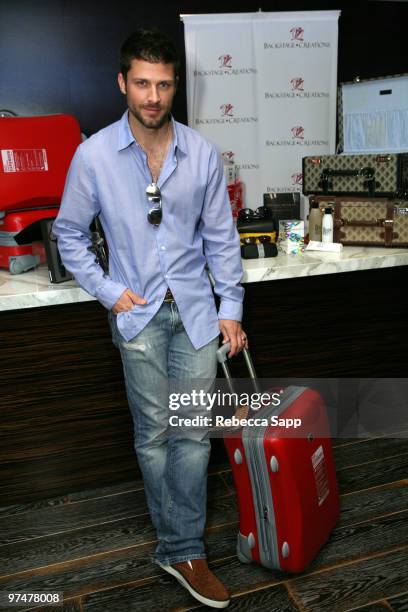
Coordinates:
(33,289)
(314,263)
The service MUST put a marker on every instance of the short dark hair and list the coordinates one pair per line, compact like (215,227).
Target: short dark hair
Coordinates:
(151,46)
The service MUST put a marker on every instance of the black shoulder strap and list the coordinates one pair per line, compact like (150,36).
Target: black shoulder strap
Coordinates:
(99,245)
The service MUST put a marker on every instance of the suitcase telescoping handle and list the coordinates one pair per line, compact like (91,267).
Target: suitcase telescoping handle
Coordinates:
(222,356)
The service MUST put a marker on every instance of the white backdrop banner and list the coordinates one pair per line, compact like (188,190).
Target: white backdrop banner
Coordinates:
(262,87)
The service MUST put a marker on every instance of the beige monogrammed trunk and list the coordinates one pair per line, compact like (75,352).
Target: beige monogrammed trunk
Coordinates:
(368,221)
(373,175)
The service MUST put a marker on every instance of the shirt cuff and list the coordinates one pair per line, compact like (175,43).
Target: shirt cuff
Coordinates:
(230,309)
(109,292)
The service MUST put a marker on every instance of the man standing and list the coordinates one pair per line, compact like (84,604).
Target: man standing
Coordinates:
(159,190)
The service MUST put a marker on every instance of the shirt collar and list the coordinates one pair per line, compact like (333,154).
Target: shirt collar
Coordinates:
(125,133)
(126,137)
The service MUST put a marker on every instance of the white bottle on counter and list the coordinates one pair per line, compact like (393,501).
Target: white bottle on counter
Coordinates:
(327,226)
(315,222)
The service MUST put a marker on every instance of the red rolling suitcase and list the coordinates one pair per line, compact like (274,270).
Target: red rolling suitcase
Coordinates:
(286,486)
(35,153)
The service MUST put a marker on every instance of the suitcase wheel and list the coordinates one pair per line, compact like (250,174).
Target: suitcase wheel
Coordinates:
(22,263)
(237,456)
(285,550)
(274,464)
(244,546)
(242,557)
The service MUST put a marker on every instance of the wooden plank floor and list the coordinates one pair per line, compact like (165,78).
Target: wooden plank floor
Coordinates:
(96,546)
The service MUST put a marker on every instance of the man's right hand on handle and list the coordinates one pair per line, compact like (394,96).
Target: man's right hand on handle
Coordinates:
(126,301)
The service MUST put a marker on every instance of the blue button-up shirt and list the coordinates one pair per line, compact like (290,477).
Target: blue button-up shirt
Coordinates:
(108,176)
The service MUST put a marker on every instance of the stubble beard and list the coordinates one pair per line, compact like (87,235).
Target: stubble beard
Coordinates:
(150,124)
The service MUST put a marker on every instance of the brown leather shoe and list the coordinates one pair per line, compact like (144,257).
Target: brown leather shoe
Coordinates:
(198,579)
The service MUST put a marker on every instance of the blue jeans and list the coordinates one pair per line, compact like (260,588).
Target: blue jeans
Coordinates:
(174,466)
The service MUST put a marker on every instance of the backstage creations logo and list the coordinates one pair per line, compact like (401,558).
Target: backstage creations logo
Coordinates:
(297,84)
(298,132)
(297,178)
(297,33)
(225,61)
(224,66)
(294,185)
(296,90)
(227,116)
(297,138)
(228,158)
(297,39)
(226,110)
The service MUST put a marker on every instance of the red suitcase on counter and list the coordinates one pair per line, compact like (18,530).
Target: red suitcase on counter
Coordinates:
(35,154)
(286,487)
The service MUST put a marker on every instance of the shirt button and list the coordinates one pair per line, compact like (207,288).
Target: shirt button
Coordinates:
(163,248)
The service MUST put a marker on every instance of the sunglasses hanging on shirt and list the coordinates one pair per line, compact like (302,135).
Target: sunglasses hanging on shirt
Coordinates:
(153,193)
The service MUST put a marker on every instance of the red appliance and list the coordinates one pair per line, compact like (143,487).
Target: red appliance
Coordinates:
(235,193)
(35,153)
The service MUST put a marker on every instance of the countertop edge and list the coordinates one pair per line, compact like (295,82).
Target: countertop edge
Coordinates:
(33,289)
